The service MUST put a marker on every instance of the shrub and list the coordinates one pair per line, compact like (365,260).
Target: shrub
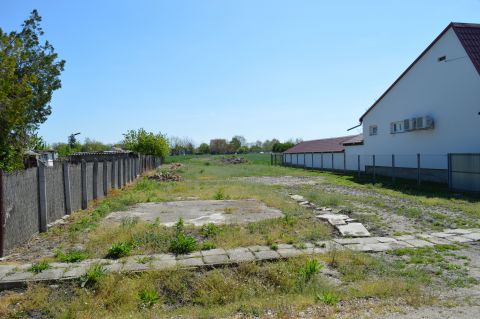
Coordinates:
(119,250)
(274,246)
(92,276)
(71,256)
(210,230)
(328,298)
(39,267)
(182,244)
(180,226)
(148,298)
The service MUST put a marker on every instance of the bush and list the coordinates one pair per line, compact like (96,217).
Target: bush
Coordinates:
(119,250)
(208,244)
(148,298)
(182,244)
(92,276)
(219,195)
(71,256)
(147,143)
(39,267)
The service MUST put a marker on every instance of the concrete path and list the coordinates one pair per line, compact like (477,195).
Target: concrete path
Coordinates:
(18,275)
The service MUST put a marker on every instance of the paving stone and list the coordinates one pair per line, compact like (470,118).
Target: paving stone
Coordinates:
(258,248)
(378,247)
(419,243)
(240,255)
(298,198)
(333,216)
(336,222)
(134,267)
(404,237)
(285,246)
(350,220)
(163,257)
(474,236)
(212,252)
(215,259)
(354,230)
(75,271)
(347,241)
(304,203)
(385,239)
(191,262)
(21,275)
(5,269)
(328,244)
(266,254)
(49,274)
(318,250)
(458,231)
(399,244)
(442,234)
(434,240)
(191,255)
(459,239)
(289,252)
(160,264)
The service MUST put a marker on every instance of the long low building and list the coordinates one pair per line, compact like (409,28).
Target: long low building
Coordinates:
(426,123)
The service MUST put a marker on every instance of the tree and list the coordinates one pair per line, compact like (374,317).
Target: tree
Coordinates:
(203,149)
(146,143)
(282,147)
(234,144)
(90,145)
(181,146)
(29,74)
(218,146)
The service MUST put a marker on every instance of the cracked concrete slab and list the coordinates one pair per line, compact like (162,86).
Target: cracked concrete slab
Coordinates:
(198,212)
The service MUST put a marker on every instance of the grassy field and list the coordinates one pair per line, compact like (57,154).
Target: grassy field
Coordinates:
(356,282)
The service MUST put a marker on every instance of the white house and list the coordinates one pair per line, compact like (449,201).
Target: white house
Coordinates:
(432,109)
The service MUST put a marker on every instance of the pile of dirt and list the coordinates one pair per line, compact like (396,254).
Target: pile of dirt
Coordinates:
(175,166)
(166,177)
(233,160)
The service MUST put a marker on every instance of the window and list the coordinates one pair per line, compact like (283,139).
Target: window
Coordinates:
(406,125)
(372,130)
(397,127)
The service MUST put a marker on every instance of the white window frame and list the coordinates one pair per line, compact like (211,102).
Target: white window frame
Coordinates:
(373,130)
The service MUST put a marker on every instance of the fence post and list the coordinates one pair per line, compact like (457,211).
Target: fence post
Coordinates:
(112,177)
(119,173)
(312,162)
(449,170)
(42,198)
(321,160)
(124,172)
(83,169)
(374,177)
(95,178)
(2,215)
(66,188)
(105,179)
(418,169)
(304,160)
(358,164)
(393,168)
(271,159)
(333,163)
(344,163)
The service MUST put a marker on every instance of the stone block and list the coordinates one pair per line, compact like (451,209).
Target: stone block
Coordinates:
(370,247)
(240,255)
(474,236)
(434,240)
(191,262)
(353,230)
(289,252)
(258,248)
(347,241)
(458,231)
(215,259)
(161,264)
(266,254)
(442,234)
(49,274)
(298,198)
(404,237)
(459,239)
(213,252)
(418,243)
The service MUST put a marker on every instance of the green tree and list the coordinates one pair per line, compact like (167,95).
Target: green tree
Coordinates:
(282,147)
(29,73)
(203,149)
(90,145)
(147,143)
(235,144)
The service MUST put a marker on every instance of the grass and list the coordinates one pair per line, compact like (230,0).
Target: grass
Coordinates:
(37,268)
(71,256)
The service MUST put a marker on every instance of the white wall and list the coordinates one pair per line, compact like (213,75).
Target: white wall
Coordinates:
(447,91)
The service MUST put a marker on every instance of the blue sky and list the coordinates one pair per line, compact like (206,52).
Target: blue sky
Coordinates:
(208,69)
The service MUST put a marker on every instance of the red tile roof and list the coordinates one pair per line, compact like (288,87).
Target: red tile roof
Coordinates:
(356,140)
(469,36)
(327,145)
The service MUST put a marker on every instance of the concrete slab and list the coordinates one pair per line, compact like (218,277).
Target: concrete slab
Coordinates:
(385,239)
(442,234)
(191,262)
(336,222)
(378,247)
(135,267)
(212,252)
(434,240)
(49,274)
(266,254)
(419,243)
(298,198)
(74,272)
(215,259)
(347,241)
(333,216)
(198,212)
(289,252)
(161,264)
(237,255)
(285,246)
(404,237)
(258,248)
(353,230)
(459,239)
(474,236)
(458,231)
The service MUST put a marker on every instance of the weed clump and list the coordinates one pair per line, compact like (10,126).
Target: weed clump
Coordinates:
(328,298)
(92,276)
(210,230)
(147,298)
(308,270)
(119,250)
(71,256)
(37,268)
(182,243)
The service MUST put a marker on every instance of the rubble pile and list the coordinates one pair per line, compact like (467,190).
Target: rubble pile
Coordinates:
(233,160)
(167,176)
